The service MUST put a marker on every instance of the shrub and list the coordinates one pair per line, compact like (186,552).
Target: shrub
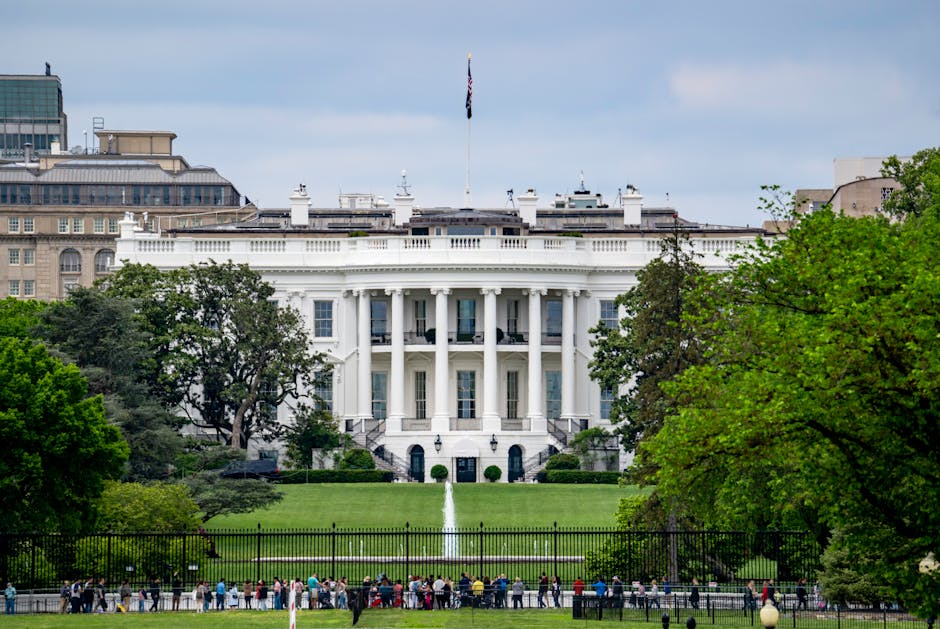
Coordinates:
(580,477)
(438,472)
(571,234)
(357,459)
(492,473)
(358,233)
(563,461)
(300,477)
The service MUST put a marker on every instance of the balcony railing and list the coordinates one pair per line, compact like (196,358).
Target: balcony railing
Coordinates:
(515,424)
(465,424)
(414,424)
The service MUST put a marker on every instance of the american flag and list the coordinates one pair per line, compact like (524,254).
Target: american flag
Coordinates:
(469,89)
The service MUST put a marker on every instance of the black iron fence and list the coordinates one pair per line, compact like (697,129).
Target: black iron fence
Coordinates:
(719,560)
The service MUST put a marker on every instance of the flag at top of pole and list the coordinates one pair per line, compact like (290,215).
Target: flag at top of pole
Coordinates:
(469,89)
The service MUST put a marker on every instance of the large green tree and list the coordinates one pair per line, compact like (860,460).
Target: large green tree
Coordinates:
(56,446)
(223,352)
(19,317)
(820,396)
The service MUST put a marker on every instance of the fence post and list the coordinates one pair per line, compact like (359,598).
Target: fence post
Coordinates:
(408,555)
(839,616)
(333,550)
(258,556)
(555,545)
(481,548)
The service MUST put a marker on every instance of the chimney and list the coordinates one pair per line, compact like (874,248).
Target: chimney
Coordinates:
(27,153)
(404,207)
(632,206)
(527,203)
(300,207)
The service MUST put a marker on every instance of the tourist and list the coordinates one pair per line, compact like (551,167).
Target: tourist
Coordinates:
(125,593)
(518,589)
(578,587)
(155,594)
(176,587)
(262,595)
(64,594)
(100,596)
(694,594)
(543,590)
(801,594)
(141,599)
(248,593)
(76,597)
(341,593)
(10,595)
(556,590)
(88,596)
(199,596)
(616,592)
(654,594)
(313,590)
(233,596)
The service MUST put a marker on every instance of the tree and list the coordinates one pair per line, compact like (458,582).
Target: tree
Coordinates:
(223,496)
(357,459)
(313,427)
(19,317)
(820,395)
(651,345)
(157,507)
(563,461)
(56,447)
(223,351)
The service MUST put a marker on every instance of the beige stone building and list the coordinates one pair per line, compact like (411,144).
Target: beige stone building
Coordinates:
(859,188)
(59,212)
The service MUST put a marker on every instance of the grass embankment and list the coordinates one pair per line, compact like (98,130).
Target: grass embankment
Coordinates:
(318,506)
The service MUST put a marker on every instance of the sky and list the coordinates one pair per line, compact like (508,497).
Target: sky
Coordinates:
(695,103)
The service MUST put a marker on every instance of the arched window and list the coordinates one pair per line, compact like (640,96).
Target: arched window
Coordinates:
(70,261)
(103,261)
(417,463)
(515,464)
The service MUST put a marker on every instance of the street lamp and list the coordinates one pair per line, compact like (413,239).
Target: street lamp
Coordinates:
(769,614)
(438,443)
(493,443)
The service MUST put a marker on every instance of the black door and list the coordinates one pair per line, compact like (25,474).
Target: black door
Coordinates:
(417,464)
(515,463)
(466,470)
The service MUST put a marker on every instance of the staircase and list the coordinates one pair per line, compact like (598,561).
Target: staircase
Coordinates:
(371,440)
(559,430)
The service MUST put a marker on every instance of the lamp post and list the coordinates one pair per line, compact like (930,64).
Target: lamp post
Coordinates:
(493,443)
(437,443)
(769,615)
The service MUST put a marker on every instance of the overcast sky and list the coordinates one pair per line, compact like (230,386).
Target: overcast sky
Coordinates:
(704,101)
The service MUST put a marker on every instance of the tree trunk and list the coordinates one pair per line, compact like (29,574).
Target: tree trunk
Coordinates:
(239,418)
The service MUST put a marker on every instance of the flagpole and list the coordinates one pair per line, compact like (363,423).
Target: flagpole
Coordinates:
(469,115)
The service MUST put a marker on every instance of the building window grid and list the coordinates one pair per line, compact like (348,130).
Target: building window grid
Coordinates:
(29,225)
(323,319)
(553,315)
(379,395)
(29,257)
(466,395)
(607,399)
(512,316)
(553,394)
(14,256)
(14,288)
(104,259)
(512,395)
(70,261)
(98,225)
(112,225)
(421,395)
(323,390)
(466,316)
(63,225)
(78,225)
(29,288)
(421,317)
(13,224)
(608,314)
(379,318)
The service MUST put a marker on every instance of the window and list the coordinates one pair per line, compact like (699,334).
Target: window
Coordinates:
(466,318)
(421,317)
(29,288)
(512,316)
(267,395)
(379,395)
(466,395)
(14,288)
(112,225)
(607,398)
(421,394)
(14,256)
(323,389)
(78,225)
(98,225)
(552,394)
(553,317)
(13,224)
(29,225)
(103,261)
(197,222)
(885,195)
(70,261)
(182,222)
(63,225)
(379,318)
(29,257)
(608,317)
(512,394)
(323,319)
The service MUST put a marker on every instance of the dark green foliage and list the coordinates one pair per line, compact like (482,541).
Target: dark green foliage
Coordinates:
(57,449)
(222,496)
(358,233)
(580,477)
(312,428)
(438,472)
(156,507)
(563,461)
(357,459)
(300,477)
(571,234)
(19,317)
(492,473)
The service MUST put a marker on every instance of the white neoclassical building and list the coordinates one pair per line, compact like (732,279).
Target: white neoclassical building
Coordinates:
(457,336)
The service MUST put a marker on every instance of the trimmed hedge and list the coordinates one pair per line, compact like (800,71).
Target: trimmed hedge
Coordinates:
(299,477)
(579,477)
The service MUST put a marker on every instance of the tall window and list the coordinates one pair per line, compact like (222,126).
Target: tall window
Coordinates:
(14,256)
(323,389)
(421,317)
(98,225)
(63,225)
(512,394)
(421,394)
(70,261)
(608,317)
(112,225)
(29,288)
(379,317)
(379,394)
(323,319)
(552,394)
(607,398)
(29,257)
(466,316)
(553,317)
(14,288)
(512,316)
(29,225)
(13,223)
(78,225)
(103,261)
(466,395)
(267,394)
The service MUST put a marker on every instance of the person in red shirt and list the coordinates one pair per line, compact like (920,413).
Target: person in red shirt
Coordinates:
(578,586)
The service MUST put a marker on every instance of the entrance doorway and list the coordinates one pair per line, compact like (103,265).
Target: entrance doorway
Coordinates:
(416,469)
(466,469)
(515,464)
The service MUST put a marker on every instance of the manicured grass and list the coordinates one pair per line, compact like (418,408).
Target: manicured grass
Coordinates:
(392,504)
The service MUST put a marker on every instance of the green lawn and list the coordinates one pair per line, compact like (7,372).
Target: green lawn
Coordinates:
(377,505)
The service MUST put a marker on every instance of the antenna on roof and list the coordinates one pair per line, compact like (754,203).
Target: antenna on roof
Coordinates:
(403,186)
(619,197)
(667,197)
(509,199)
(581,189)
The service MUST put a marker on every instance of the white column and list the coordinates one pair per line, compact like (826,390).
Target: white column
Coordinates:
(490,420)
(396,379)
(440,420)
(364,343)
(535,412)
(567,353)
